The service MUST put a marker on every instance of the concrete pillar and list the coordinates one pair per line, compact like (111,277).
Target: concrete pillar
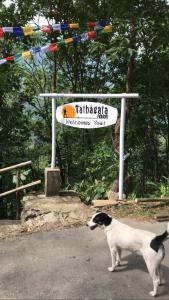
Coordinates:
(52,182)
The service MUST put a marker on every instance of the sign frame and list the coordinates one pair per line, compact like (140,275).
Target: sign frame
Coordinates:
(122,97)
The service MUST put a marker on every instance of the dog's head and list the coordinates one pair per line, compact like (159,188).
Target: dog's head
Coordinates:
(99,219)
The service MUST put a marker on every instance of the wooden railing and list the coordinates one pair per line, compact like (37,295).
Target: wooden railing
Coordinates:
(18,181)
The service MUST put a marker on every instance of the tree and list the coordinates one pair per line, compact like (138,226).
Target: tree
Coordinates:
(130,60)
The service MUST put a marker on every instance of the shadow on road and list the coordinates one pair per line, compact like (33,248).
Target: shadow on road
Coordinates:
(133,262)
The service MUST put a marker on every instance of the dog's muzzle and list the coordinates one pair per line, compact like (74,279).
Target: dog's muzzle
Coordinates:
(93,226)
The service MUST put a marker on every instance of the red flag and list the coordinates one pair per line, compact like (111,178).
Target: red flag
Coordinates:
(91,24)
(53,47)
(46,28)
(92,34)
(10,57)
(1,33)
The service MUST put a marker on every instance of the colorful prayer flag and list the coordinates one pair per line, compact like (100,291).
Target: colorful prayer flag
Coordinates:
(45,48)
(35,50)
(1,33)
(28,30)
(74,26)
(64,26)
(46,28)
(84,37)
(108,28)
(68,40)
(92,34)
(56,27)
(18,32)
(8,29)
(104,22)
(10,58)
(61,43)
(3,61)
(91,24)
(53,47)
(76,39)
(18,57)
(26,55)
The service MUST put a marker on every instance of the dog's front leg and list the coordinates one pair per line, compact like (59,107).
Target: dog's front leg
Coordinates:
(113,252)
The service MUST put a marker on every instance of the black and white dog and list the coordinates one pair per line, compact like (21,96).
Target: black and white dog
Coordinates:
(121,236)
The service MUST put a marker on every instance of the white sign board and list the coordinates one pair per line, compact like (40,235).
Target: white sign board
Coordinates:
(86,114)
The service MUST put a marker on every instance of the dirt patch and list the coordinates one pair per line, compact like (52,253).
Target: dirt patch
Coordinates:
(51,213)
(48,213)
(141,211)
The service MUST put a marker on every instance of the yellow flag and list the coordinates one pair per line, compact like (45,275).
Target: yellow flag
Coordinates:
(108,28)
(74,25)
(68,40)
(27,30)
(26,55)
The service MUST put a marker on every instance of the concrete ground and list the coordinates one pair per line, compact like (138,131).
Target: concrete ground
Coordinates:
(72,264)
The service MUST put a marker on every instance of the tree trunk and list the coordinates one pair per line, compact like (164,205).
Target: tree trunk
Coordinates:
(58,152)
(128,89)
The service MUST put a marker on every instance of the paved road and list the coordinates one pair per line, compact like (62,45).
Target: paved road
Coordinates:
(72,264)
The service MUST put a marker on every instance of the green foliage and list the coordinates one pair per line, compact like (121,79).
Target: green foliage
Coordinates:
(164,187)
(151,189)
(101,169)
(23,176)
(102,163)
(91,190)
(86,158)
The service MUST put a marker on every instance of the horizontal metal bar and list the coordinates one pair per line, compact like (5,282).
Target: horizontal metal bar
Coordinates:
(22,187)
(16,166)
(64,95)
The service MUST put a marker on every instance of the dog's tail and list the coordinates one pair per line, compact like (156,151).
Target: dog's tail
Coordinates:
(157,242)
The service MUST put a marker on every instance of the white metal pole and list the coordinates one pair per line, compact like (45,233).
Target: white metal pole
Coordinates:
(103,96)
(53,159)
(121,158)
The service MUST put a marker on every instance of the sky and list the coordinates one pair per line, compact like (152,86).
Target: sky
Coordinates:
(37,20)
(7,2)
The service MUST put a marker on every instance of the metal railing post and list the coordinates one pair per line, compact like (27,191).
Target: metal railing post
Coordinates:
(121,150)
(53,159)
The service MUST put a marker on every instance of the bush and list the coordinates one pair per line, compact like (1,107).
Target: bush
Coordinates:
(101,170)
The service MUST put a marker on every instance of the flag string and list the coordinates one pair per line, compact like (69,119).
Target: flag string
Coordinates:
(54,47)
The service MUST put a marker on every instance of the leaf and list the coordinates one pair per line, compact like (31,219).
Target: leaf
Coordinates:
(14,179)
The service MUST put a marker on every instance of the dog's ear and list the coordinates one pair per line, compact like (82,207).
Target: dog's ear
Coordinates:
(102,219)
